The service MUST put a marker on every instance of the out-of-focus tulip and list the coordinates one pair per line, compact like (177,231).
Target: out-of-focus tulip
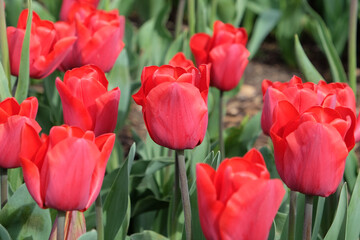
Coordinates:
(47,50)
(180,60)
(99,39)
(303,96)
(174,104)
(13,117)
(226,52)
(67,6)
(311,147)
(239,200)
(86,101)
(65,170)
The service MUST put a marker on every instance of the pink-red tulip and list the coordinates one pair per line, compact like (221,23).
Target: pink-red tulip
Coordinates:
(47,49)
(99,38)
(86,101)
(226,52)
(13,117)
(65,170)
(239,200)
(311,147)
(180,60)
(174,104)
(303,96)
(68,4)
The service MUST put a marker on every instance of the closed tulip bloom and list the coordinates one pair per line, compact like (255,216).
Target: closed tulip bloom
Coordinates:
(174,104)
(47,49)
(65,170)
(239,200)
(68,4)
(226,52)
(180,60)
(303,96)
(13,117)
(310,148)
(99,39)
(86,101)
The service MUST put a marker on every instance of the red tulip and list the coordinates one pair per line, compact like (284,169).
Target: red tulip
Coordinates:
(174,104)
(180,60)
(68,4)
(86,101)
(99,39)
(226,52)
(13,117)
(47,49)
(311,147)
(65,170)
(303,96)
(239,200)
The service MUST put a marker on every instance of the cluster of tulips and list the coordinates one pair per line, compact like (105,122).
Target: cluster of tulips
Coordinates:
(312,126)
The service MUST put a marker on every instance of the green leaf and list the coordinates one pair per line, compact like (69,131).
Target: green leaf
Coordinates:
(23,218)
(15,178)
(318,217)
(240,6)
(4,54)
(147,235)
(125,225)
(351,169)
(116,157)
(4,235)
(149,203)
(201,16)
(175,47)
(4,85)
(263,26)
(43,12)
(279,222)
(353,213)
(299,221)
(24,69)
(92,235)
(340,215)
(307,68)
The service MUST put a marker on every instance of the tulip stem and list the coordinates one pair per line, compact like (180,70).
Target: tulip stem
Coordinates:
(352,44)
(99,218)
(191,16)
(308,217)
(184,193)
(4,190)
(179,17)
(60,225)
(221,125)
(176,198)
(292,215)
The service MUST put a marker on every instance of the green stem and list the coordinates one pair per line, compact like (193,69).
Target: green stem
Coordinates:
(176,196)
(4,187)
(191,16)
(60,225)
(179,17)
(292,215)
(214,4)
(99,217)
(4,43)
(184,193)
(352,44)
(221,125)
(308,217)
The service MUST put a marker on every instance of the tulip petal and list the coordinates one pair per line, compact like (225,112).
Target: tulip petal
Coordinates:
(200,46)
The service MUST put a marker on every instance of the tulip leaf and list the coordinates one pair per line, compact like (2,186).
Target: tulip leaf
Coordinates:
(4,54)
(149,203)
(263,26)
(353,213)
(24,69)
(4,235)
(279,224)
(175,47)
(201,16)
(125,224)
(116,202)
(116,157)
(91,235)
(4,85)
(43,12)
(299,221)
(307,68)
(351,168)
(318,217)
(23,218)
(240,6)
(147,235)
(340,215)
(15,178)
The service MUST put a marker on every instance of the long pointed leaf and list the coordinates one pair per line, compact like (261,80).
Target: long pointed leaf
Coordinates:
(353,213)
(4,86)
(4,44)
(318,217)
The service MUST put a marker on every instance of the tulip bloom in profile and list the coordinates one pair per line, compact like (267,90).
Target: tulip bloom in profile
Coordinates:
(67,5)
(239,200)
(65,170)
(174,104)
(13,117)
(86,101)
(47,49)
(311,147)
(303,96)
(99,38)
(226,52)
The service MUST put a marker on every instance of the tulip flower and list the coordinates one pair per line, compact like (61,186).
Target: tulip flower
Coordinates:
(303,96)
(86,101)
(99,39)
(180,60)
(65,170)
(226,52)
(239,200)
(311,147)
(47,49)
(68,4)
(13,117)
(174,104)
